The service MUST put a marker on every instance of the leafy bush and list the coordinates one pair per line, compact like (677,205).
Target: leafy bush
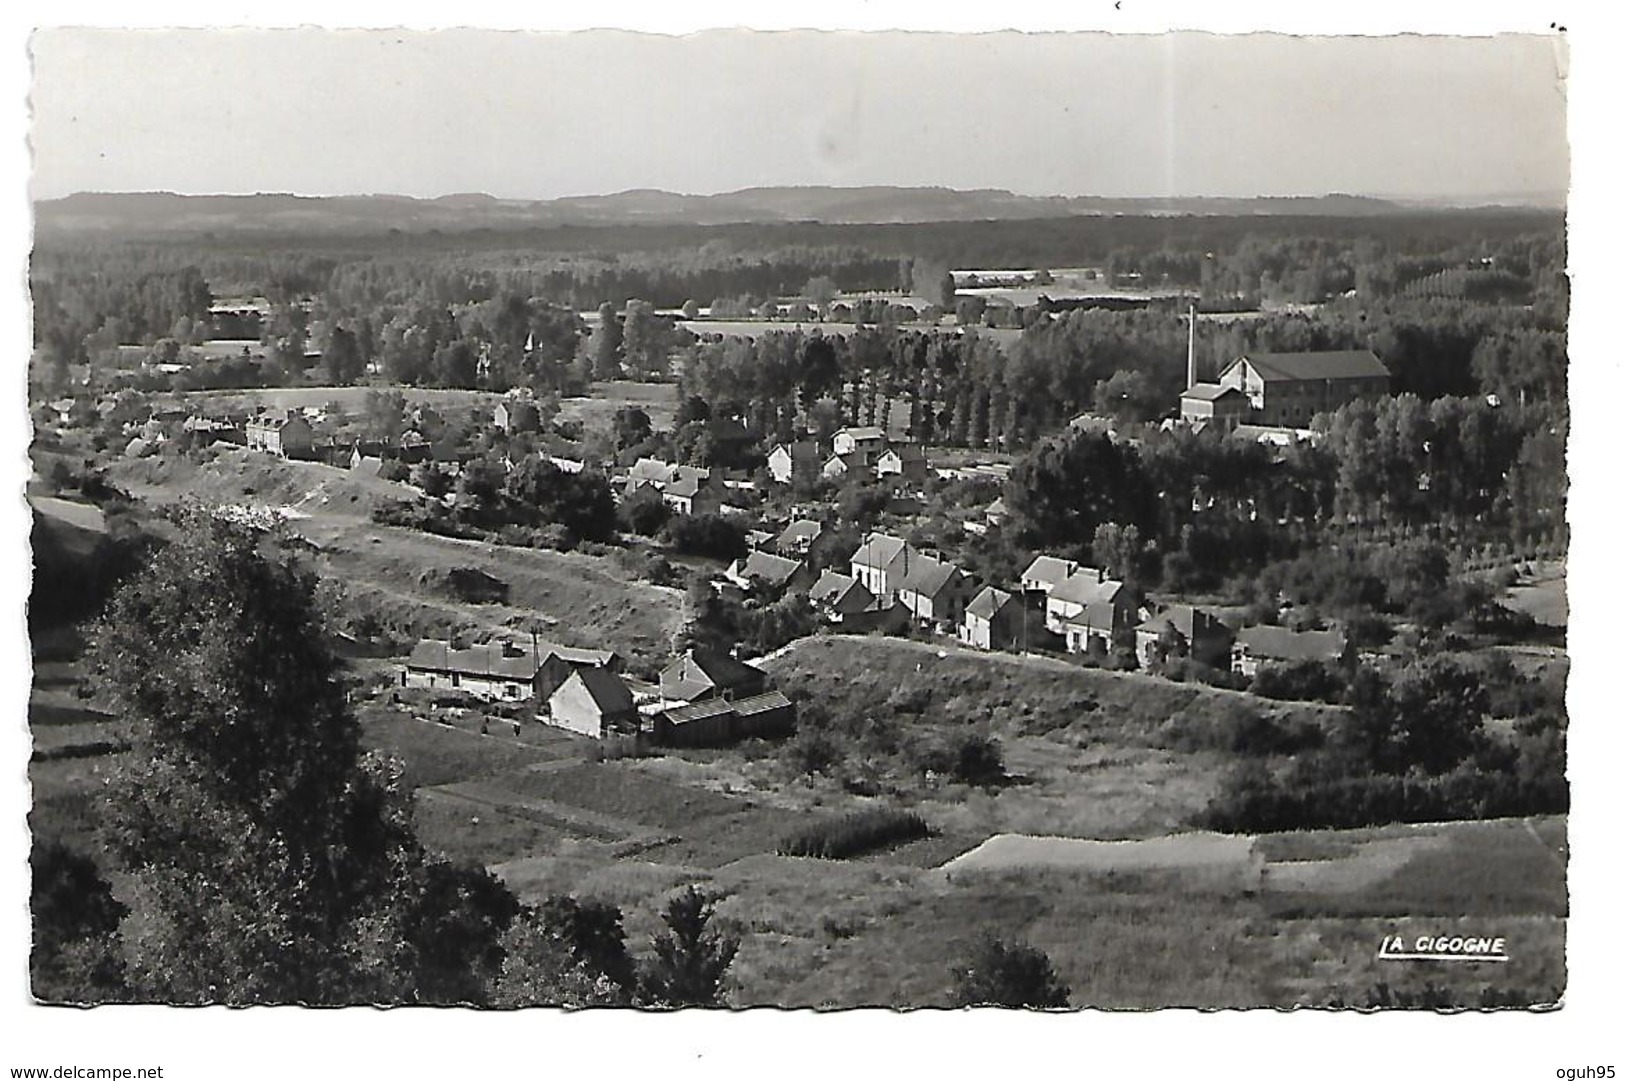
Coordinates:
(1301,681)
(1237,728)
(996,973)
(854,834)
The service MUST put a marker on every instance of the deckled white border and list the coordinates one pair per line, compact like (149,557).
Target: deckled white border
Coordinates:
(284,1044)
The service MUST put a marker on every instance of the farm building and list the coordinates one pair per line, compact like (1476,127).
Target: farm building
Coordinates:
(284,432)
(593,702)
(1261,647)
(701,674)
(1183,631)
(1285,389)
(720,721)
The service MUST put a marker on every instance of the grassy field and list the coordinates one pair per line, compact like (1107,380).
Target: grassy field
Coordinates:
(589,599)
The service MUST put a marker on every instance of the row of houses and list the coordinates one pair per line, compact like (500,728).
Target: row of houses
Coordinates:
(701,697)
(860,453)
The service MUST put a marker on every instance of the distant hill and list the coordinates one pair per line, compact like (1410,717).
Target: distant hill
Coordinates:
(165,212)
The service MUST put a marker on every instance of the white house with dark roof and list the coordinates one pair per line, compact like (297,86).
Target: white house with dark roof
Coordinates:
(593,702)
(866,442)
(993,620)
(880,563)
(1044,573)
(798,460)
(798,537)
(767,569)
(1183,631)
(1286,389)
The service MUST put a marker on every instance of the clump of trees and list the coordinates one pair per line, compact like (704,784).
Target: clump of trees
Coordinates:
(1413,748)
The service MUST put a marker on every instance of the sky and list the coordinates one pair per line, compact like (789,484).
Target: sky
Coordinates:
(539,115)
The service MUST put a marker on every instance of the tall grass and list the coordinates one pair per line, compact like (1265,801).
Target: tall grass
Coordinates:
(854,834)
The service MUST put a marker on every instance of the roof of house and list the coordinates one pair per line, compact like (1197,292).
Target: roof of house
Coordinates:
(1208,392)
(867,432)
(832,585)
(651,469)
(929,576)
(879,550)
(698,711)
(801,532)
(1098,615)
(487,659)
(768,567)
(607,690)
(1086,589)
(988,603)
(1328,364)
(576,655)
(1050,570)
(998,506)
(1278,643)
(804,449)
(760,703)
(905,452)
(1182,618)
(686,487)
(700,670)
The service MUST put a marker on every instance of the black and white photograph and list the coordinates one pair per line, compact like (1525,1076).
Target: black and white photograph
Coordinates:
(1051,521)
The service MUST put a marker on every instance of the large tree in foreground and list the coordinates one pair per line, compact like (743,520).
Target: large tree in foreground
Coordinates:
(268,859)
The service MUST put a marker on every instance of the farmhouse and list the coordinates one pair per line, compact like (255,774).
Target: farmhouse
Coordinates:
(1261,647)
(847,467)
(1183,631)
(1092,615)
(283,432)
(593,702)
(1285,389)
(935,592)
(691,495)
(494,670)
(701,674)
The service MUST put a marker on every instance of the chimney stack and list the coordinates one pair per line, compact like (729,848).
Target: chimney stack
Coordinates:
(1190,353)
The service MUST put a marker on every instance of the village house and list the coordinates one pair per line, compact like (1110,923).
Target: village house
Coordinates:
(906,462)
(1183,631)
(847,467)
(518,415)
(880,563)
(593,702)
(837,597)
(284,432)
(1264,646)
(701,674)
(691,495)
(1044,573)
(994,619)
(798,537)
(935,592)
(790,462)
(1092,615)
(1069,597)
(868,443)
(765,569)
